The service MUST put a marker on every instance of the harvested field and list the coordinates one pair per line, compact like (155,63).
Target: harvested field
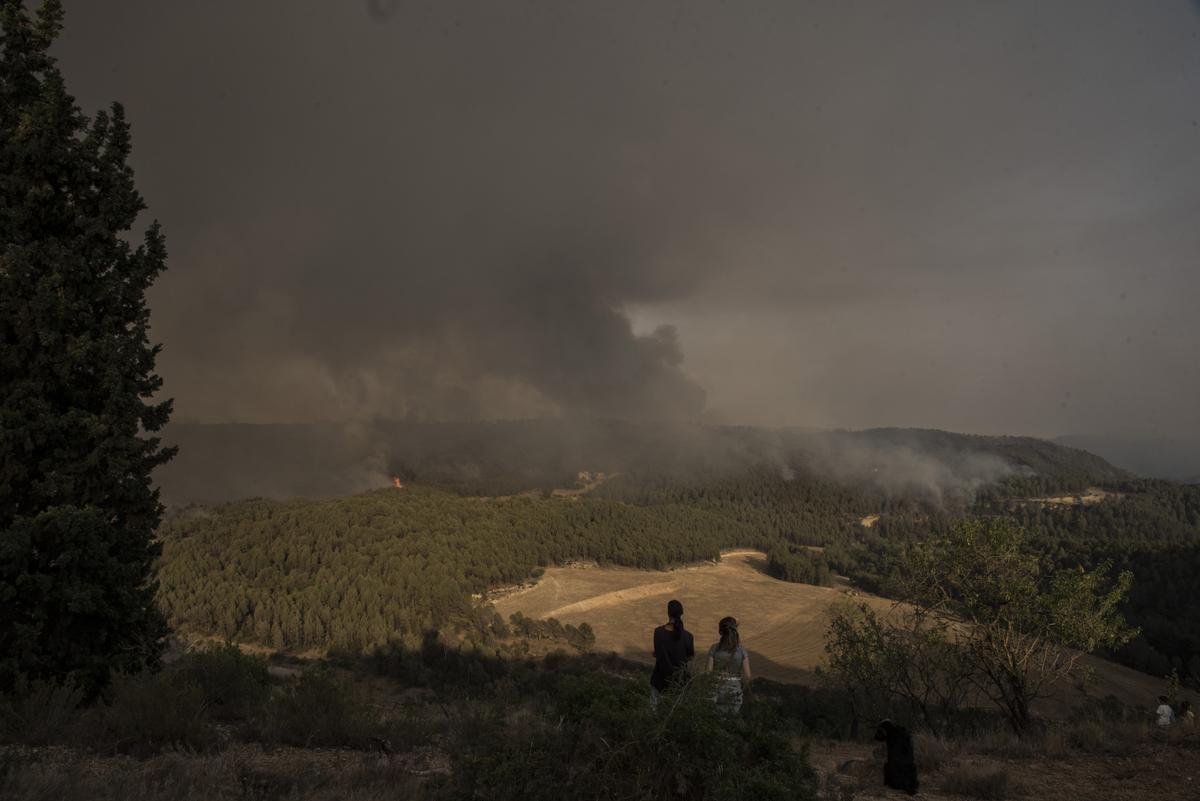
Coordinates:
(781,623)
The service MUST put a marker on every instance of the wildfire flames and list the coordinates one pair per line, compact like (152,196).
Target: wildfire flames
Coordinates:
(397,483)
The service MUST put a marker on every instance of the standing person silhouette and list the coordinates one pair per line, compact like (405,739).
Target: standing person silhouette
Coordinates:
(673,647)
(729,660)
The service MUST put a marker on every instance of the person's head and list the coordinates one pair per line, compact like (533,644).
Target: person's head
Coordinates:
(675,615)
(1162,699)
(728,630)
(1184,706)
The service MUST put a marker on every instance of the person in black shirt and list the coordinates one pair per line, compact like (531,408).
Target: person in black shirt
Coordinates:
(673,647)
(900,769)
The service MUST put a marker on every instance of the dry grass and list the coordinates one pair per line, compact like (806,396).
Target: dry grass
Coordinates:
(989,784)
(244,773)
(1112,761)
(934,754)
(782,624)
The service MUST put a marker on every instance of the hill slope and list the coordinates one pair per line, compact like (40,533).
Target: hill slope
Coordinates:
(219,463)
(782,624)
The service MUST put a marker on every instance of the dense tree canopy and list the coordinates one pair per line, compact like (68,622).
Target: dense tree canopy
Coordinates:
(77,509)
(363,570)
(367,568)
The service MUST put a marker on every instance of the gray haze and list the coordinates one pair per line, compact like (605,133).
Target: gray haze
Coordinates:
(970,215)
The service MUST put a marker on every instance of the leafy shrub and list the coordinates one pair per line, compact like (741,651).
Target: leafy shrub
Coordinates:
(581,638)
(235,685)
(825,711)
(38,713)
(983,783)
(153,712)
(316,708)
(600,739)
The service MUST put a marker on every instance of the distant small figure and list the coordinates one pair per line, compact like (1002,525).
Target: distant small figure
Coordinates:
(1166,715)
(1186,716)
(729,660)
(900,769)
(673,647)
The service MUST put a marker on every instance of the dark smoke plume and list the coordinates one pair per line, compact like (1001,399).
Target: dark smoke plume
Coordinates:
(976,216)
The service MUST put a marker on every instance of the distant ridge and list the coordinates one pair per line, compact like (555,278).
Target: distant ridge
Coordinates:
(1172,458)
(230,461)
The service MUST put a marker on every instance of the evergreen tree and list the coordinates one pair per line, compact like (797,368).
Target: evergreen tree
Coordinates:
(77,508)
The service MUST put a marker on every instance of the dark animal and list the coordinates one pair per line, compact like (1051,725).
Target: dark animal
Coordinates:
(900,769)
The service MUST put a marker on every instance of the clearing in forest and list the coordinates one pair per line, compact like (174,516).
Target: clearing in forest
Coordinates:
(1086,498)
(782,624)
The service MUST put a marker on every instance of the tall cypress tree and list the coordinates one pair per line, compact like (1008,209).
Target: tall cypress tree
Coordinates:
(78,510)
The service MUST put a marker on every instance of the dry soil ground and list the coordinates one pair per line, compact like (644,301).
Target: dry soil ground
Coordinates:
(1087,497)
(1150,767)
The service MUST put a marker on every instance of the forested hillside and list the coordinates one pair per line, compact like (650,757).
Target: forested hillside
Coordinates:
(1151,528)
(220,463)
(360,570)
(390,564)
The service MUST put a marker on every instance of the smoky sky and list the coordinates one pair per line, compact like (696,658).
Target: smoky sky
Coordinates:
(969,215)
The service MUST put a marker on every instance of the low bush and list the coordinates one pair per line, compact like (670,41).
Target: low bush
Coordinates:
(235,685)
(39,713)
(152,712)
(316,708)
(933,754)
(599,738)
(983,783)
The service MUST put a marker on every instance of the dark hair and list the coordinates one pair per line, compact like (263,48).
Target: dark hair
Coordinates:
(1162,699)
(675,613)
(729,634)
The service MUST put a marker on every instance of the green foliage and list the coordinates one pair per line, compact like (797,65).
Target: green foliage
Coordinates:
(1153,531)
(905,664)
(362,571)
(802,566)
(77,509)
(153,712)
(38,714)
(1023,627)
(235,685)
(359,572)
(602,740)
(985,619)
(582,637)
(318,709)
